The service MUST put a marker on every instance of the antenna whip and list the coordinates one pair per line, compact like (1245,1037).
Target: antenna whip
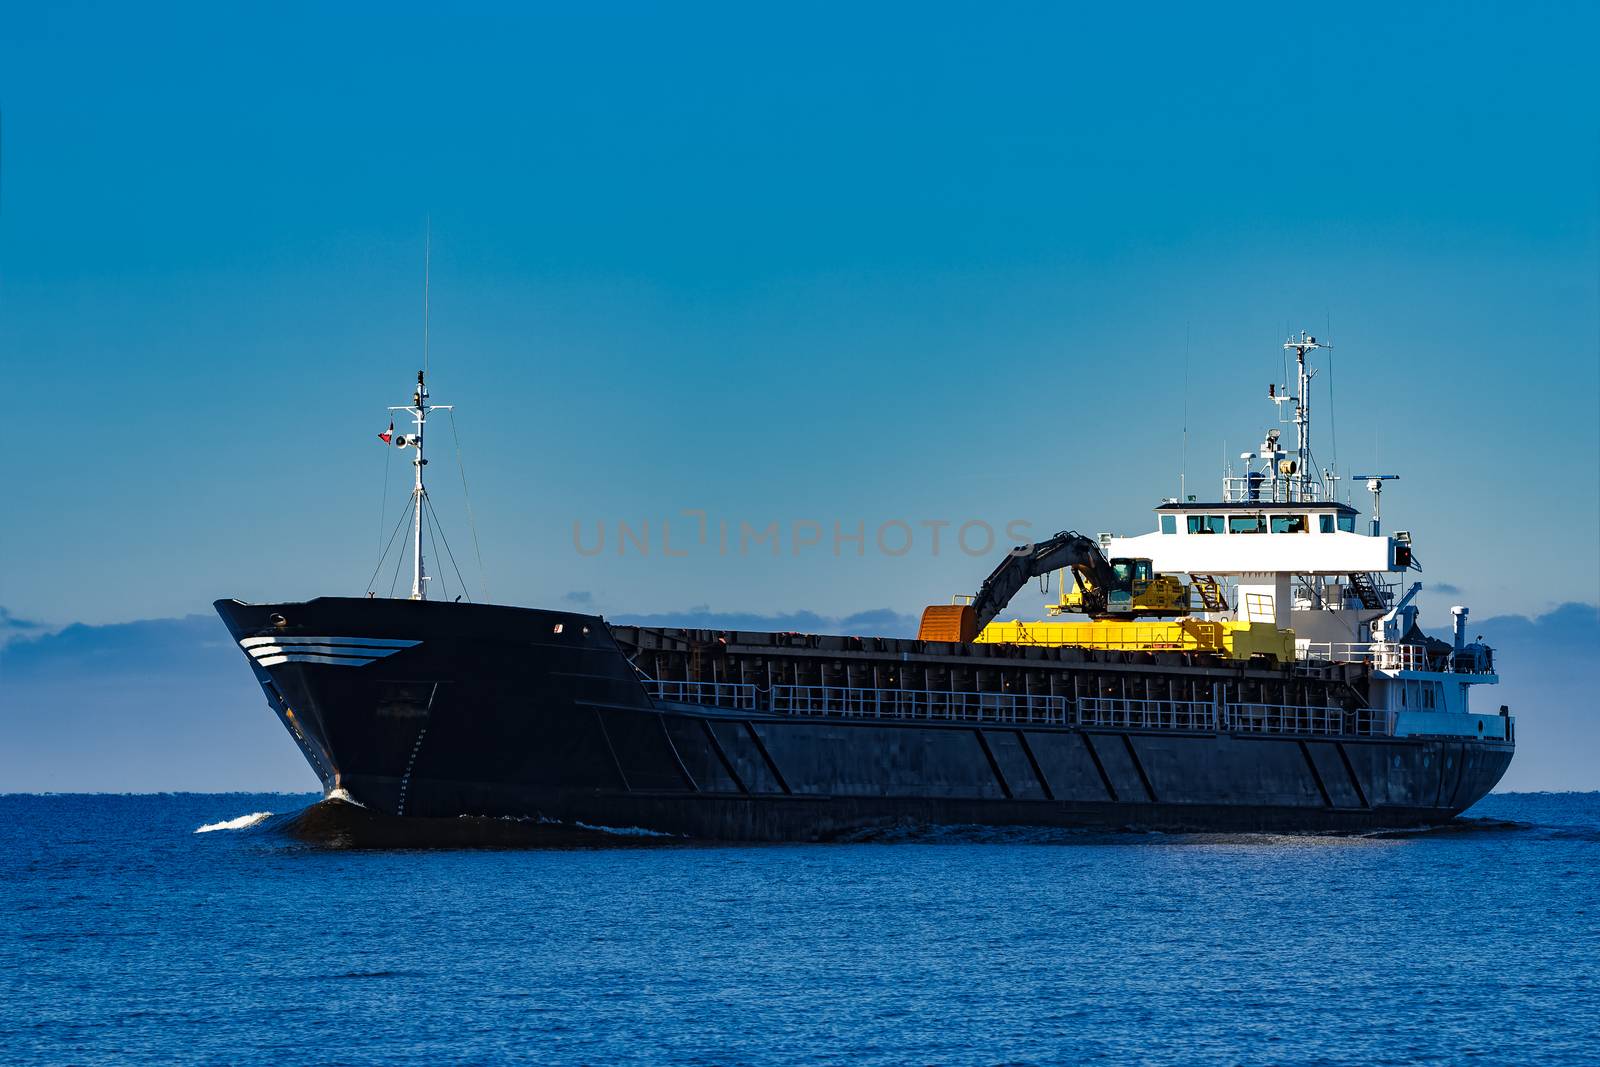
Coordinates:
(427,278)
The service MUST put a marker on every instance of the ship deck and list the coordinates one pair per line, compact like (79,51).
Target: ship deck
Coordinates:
(793,674)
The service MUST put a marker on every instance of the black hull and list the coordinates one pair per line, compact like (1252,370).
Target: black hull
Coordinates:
(495,711)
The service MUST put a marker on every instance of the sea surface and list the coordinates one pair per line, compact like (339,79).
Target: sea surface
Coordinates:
(201,928)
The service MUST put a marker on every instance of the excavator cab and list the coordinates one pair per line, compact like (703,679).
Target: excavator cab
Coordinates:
(1135,589)
(1132,579)
(1130,571)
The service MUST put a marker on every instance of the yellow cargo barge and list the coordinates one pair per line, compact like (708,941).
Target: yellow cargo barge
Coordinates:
(1231,640)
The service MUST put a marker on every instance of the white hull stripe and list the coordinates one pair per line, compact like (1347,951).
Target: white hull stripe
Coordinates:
(333,651)
(266,651)
(363,642)
(336,661)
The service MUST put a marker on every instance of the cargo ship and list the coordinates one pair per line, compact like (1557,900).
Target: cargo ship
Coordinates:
(1253,662)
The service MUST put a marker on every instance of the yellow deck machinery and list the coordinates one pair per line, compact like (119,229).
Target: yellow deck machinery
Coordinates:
(1117,594)
(1228,639)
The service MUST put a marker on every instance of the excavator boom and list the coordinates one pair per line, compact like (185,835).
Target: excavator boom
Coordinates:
(963,622)
(1026,562)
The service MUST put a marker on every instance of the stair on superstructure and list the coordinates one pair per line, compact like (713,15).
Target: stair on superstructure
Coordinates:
(1209,590)
(1367,591)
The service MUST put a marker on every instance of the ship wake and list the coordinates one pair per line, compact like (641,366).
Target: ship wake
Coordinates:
(340,824)
(243,822)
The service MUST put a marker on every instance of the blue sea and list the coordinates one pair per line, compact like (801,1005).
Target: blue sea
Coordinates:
(199,928)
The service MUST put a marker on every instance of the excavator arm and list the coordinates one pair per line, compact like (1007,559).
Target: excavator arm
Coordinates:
(1065,549)
(963,622)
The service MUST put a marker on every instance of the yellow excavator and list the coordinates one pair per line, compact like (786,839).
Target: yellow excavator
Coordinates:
(1106,589)
(1135,591)
(1116,594)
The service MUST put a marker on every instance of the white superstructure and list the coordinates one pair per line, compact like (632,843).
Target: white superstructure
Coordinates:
(1279,548)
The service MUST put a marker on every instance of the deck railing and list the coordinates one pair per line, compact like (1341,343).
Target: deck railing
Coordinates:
(837,701)
(1294,719)
(733,695)
(1245,489)
(1382,655)
(924,704)
(1147,714)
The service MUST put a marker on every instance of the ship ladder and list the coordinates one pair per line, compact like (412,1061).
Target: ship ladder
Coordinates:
(1366,591)
(1209,590)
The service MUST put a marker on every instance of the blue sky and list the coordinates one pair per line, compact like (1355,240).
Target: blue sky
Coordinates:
(833,263)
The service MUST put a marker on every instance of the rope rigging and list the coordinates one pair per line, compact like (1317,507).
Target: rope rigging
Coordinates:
(379,567)
(435,530)
(472,523)
(400,557)
(432,522)
(448,553)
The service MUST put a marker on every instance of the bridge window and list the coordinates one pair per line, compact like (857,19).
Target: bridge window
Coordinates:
(1325,523)
(1347,523)
(1289,524)
(1243,524)
(1169,524)
(1205,524)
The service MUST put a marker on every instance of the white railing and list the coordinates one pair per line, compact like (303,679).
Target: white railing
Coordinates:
(707,694)
(927,705)
(1147,714)
(1236,489)
(1381,655)
(1293,719)
(947,706)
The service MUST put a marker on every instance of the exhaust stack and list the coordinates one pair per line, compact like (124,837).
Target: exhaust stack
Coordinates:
(1460,614)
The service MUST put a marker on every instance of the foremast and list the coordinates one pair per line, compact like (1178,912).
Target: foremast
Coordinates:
(418,409)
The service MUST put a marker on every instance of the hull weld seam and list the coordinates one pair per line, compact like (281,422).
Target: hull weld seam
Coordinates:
(600,724)
(1033,763)
(1349,768)
(1105,779)
(677,757)
(988,754)
(1316,776)
(771,763)
(1144,779)
(727,764)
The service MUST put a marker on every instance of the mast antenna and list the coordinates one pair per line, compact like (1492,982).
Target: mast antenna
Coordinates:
(1183,463)
(1333,424)
(1301,481)
(419,409)
(427,277)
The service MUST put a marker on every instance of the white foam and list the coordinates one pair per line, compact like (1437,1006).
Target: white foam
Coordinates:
(623,831)
(243,822)
(343,796)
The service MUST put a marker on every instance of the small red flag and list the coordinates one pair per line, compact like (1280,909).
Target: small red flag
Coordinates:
(387,434)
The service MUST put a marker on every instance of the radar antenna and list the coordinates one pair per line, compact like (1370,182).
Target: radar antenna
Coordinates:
(1375,487)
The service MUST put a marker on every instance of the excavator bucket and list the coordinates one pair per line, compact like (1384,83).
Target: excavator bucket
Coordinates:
(956,623)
